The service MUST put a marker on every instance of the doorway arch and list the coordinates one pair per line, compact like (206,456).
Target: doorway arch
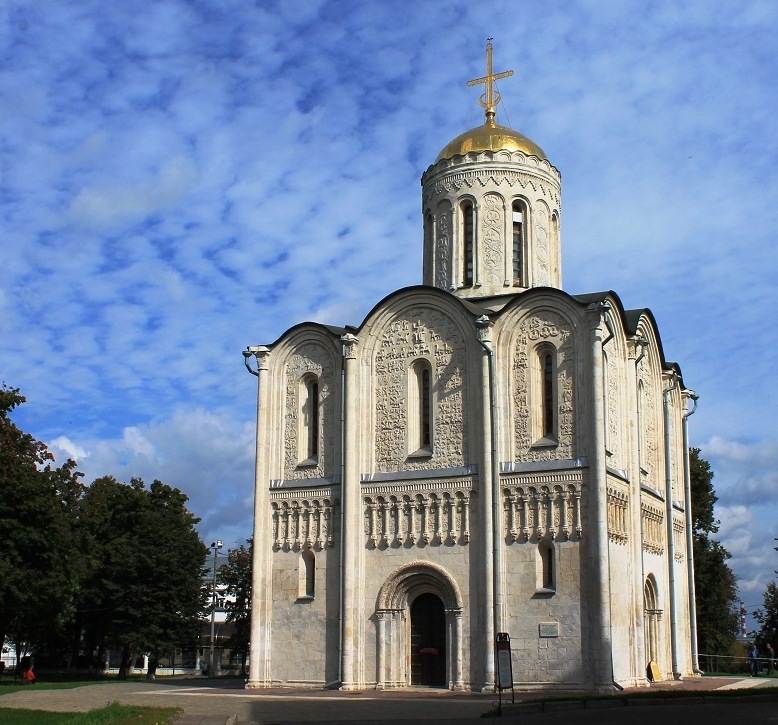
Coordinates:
(434,589)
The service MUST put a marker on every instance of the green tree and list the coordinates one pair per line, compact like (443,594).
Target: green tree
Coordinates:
(768,618)
(147,563)
(40,561)
(714,581)
(235,575)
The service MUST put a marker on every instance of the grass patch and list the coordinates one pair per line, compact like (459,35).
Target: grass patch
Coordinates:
(114,714)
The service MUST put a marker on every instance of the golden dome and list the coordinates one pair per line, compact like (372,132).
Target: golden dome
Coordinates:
(491,137)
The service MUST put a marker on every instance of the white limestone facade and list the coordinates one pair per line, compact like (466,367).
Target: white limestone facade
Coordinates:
(484,453)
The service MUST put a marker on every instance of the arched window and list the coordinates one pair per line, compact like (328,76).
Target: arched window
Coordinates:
(519,226)
(546,574)
(307,578)
(544,393)
(309,438)
(420,408)
(548,394)
(468,230)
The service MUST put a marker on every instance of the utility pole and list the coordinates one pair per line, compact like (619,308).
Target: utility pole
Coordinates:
(216,546)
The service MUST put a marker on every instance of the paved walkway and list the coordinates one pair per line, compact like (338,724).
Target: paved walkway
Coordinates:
(216,702)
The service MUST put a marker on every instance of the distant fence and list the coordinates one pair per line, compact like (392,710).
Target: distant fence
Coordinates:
(192,662)
(732,664)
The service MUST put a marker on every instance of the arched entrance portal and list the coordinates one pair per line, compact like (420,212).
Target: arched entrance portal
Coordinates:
(419,628)
(428,641)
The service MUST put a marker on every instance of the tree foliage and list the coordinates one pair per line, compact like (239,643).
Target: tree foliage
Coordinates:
(40,563)
(235,575)
(86,568)
(768,618)
(144,592)
(715,582)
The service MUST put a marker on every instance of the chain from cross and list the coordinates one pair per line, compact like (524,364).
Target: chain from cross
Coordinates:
(491,98)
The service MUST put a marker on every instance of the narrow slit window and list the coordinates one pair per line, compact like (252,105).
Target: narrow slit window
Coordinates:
(424,384)
(307,586)
(310,420)
(467,235)
(420,433)
(548,395)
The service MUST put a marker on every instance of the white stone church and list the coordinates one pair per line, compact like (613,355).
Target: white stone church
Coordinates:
(485,453)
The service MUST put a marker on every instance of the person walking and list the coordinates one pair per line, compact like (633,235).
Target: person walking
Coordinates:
(753,660)
(770,659)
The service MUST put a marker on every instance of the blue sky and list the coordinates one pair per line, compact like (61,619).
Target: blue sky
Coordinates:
(181,179)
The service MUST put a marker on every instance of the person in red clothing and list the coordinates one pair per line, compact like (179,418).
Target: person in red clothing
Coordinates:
(28,676)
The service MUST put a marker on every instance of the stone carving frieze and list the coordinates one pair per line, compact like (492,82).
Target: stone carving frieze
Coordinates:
(310,358)
(410,519)
(303,523)
(429,334)
(679,539)
(473,180)
(618,514)
(653,517)
(535,512)
(555,330)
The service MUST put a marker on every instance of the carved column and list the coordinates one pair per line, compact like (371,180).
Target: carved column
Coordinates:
(352,515)
(383,618)
(600,648)
(261,580)
(489,526)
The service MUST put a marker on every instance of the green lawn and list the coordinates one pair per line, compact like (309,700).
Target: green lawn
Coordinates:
(114,713)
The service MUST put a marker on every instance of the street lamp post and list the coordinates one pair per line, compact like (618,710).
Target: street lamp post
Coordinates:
(216,546)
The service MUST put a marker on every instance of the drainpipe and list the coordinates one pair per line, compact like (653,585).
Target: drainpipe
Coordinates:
(670,535)
(687,490)
(484,338)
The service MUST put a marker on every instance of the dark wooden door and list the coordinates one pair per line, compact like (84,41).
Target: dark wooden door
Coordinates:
(428,641)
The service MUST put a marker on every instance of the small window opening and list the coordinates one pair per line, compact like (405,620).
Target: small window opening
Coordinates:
(307,585)
(546,580)
(467,233)
(420,409)
(425,407)
(548,395)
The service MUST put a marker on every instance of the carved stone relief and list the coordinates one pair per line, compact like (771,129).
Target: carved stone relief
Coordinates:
(649,424)
(541,272)
(429,334)
(492,232)
(653,517)
(535,512)
(550,328)
(443,247)
(416,519)
(614,430)
(310,358)
(618,515)
(452,182)
(299,524)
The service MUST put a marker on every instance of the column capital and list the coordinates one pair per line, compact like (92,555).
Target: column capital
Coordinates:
(349,343)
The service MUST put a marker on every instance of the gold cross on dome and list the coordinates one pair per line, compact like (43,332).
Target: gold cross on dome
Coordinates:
(491,98)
